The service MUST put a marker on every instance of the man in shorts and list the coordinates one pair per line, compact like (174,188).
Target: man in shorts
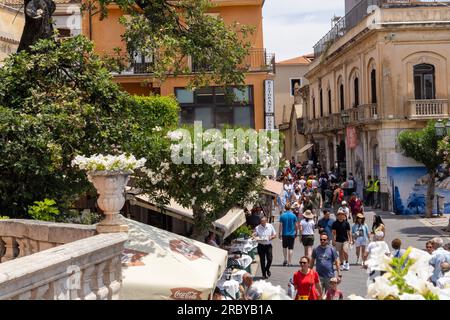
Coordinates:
(288,232)
(325,256)
(342,238)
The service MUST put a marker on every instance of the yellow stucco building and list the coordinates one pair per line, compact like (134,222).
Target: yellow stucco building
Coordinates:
(382,68)
(205,104)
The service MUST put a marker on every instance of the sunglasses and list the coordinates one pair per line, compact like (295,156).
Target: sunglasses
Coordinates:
(429,247)
(323,239)
(303,262)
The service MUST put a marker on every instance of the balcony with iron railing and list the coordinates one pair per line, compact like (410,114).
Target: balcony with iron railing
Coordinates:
(363,114)
(359,12)
(427,109)
(257,60)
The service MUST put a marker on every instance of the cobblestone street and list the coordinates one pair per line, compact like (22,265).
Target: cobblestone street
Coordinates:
(411,230)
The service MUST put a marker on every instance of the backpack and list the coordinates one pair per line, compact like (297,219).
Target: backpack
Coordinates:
(323,183)
(341,195)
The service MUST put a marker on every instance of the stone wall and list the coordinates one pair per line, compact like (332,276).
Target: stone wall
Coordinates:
(87,269)
(19,238)
(58,261)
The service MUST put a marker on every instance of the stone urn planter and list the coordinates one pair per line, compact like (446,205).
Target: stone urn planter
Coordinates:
(110,186)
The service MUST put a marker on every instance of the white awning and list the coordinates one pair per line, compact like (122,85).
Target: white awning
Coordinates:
(305,148)
(231,221)
(226,225)
(160,265)
(272,187)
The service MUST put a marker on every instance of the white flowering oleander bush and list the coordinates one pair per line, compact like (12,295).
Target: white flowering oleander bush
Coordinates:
(98,162)
(209,187)
(406,278)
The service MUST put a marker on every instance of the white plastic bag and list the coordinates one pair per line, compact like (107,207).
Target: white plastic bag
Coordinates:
(291,291)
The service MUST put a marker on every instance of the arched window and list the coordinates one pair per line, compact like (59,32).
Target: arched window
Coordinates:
(314,107)
(321,102)
(373,86)
(356,92)
(341,96)
(330,109)
(424,82)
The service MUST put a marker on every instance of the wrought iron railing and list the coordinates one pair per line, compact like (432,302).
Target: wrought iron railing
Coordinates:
(359,12)
(257,60)
(364,113)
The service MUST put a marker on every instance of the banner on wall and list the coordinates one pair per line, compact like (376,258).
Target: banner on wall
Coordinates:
(352,137)
(269,109)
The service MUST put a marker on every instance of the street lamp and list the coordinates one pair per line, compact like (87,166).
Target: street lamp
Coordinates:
(439,128)
(447,127)
(345,118)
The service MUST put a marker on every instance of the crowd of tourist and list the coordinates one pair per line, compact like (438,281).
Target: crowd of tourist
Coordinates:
(306,204)
(309,199)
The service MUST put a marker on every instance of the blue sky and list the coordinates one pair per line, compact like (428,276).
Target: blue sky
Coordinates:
(292,27)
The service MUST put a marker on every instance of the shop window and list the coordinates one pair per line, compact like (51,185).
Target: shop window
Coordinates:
(204,95)
(184,96)
(210,106)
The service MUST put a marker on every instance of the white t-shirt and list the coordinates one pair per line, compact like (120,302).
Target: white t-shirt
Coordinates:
(264,233)
(307,227)
(381,245)
(302,184)
(288,187)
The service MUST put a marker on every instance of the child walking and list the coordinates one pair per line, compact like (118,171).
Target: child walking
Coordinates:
(333,293)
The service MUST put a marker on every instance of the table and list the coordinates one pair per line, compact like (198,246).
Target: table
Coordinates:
(244,261)
(244,245)
(230,286)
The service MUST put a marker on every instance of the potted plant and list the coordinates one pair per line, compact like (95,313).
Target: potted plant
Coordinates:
(109,174)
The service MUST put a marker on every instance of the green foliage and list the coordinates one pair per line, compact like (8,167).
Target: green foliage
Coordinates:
(242,231)
(211,190)
(4,217)
(422,146)
(57,102)
(86,217)
(157,111)
(44,210)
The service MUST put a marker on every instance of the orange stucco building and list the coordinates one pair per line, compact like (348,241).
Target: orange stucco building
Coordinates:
(207,104)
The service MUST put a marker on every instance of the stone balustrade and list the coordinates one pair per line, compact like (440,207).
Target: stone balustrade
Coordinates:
(364,113)
(20,237)
(428,109)
(56,261)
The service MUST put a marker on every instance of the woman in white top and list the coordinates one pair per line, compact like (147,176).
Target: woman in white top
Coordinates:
(307,232)
(377,247)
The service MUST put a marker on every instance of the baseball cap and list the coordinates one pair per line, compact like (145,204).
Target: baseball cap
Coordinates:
(344,203)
